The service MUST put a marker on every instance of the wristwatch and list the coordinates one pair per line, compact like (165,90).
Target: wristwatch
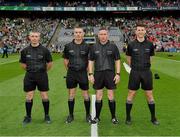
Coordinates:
(118,74)
(90,74)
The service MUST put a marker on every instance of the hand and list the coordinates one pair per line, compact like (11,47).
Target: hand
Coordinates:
(24,66)
(91,78)
(116,79)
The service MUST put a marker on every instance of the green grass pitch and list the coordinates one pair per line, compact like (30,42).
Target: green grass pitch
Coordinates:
(166,92)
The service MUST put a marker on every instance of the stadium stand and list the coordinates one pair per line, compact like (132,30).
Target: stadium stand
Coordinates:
(14,31)
(163,30)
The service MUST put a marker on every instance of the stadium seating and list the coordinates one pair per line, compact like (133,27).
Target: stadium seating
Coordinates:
(14,31)
(162,31)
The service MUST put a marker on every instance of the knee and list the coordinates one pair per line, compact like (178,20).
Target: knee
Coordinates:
(150,97)
(99,96)
(86,95)
(29,96)
(71,95)
(44,96)
(111,95)
(131,96)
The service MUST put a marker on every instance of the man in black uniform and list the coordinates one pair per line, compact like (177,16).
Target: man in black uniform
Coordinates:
(5,50)
(76,63)
(105,58)
(36,60)
(139,54)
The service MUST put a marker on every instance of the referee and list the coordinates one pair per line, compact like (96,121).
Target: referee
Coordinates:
(105,59)
(76,63)
(36,60)
(139,53)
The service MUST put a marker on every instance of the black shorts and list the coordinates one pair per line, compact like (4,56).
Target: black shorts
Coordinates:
(77,77)
(140,77)
(31,80)
(104,79)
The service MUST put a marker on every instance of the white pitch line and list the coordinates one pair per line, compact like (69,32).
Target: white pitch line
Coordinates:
(94,128)
(127,67)
(173,60)
(2,63)
(169,59)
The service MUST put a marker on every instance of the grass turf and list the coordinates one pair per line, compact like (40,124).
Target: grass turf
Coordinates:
(166,92)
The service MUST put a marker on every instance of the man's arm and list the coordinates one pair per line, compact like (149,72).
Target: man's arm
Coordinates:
(22,60)
(128,60)
(66,62)
(90,70)
(90,66)
(66,56)
(118,66)
(24,66)
(49,65)
(49,60)
(152,53)
(129,54)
